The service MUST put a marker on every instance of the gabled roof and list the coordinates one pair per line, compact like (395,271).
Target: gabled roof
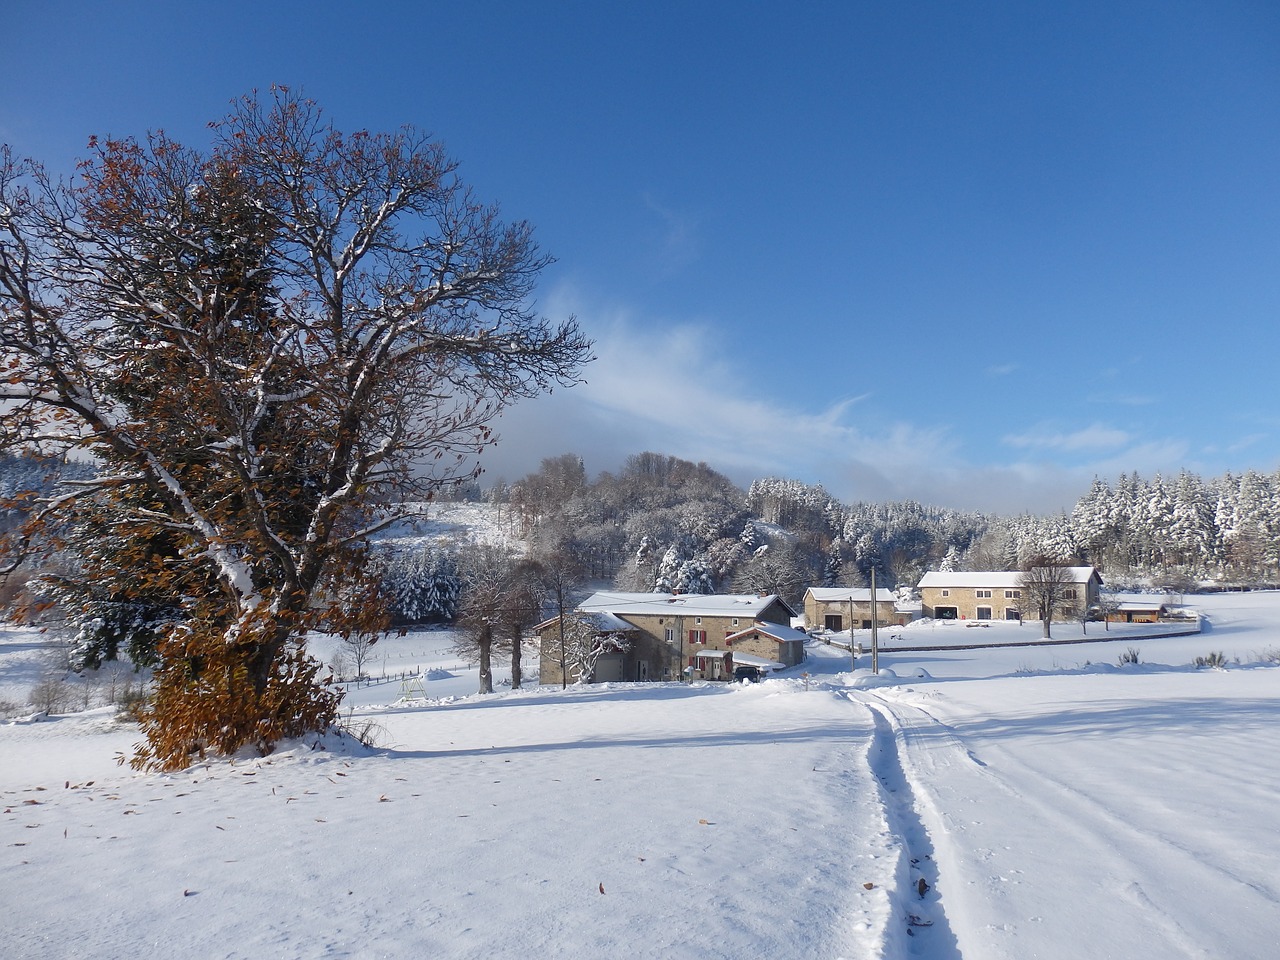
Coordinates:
(602,621)
(859,594)
(681,604)
(775,631)
(994,578)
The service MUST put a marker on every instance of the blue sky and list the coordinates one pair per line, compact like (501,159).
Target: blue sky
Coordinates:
(971,253)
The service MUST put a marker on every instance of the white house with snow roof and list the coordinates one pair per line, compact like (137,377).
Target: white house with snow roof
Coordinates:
(995,594)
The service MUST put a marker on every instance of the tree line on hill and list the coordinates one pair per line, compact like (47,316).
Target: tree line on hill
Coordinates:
(670,525)
(666,524)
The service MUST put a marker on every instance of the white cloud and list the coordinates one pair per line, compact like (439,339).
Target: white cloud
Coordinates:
(686,390)
(680,389)
(681,245)
(1245,443)
(1096,436)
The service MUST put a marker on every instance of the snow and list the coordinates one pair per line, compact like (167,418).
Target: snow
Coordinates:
(1054,803)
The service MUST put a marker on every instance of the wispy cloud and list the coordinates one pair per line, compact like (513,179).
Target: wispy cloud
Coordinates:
(1124,400)
(1096,436)
(680,388)
(1244,443)
(680,243)
(677,389)
(1002,370)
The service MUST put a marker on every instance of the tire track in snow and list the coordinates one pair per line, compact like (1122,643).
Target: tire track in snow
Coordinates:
(1143,847)
(925,930)
(1102,844)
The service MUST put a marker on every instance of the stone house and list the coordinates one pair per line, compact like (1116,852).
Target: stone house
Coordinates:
(834,608)
(996,595)
(669,635)
(768,645)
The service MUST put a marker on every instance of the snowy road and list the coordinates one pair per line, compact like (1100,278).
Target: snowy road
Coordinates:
(1108,828)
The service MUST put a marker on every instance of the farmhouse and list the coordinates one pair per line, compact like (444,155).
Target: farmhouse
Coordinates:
(996,595)
(661,636)
(840,608)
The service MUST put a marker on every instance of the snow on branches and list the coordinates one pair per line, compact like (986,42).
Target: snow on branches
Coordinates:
(260,344)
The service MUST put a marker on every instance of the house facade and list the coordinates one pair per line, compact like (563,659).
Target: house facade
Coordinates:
(766,645)
(672,635)
(836,608)
(997,595)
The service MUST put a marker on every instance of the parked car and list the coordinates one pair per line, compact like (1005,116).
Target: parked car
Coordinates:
(748,672)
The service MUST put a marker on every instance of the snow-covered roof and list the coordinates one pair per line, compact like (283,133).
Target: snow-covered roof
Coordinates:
(606,622)
(859,594)
(775,630)
(713,654)
(601,620)
(680,604)
(992,578)
(748,660)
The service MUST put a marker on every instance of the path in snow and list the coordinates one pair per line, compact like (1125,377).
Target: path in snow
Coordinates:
(921,914)
(1045,846)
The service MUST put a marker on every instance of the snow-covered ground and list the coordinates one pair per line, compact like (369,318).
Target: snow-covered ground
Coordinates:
(1055,805)
(453,524)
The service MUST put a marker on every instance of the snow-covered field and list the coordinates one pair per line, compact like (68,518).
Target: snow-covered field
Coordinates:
(1054,804)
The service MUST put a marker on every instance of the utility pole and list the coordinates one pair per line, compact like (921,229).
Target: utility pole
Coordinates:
(875,620)
(853,653)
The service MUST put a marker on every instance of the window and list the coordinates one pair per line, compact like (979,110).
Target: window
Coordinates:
(735,621)
(669,635)
(982,594)
(984,613)
(1069,593)
(946,593)
(833,622)
(697,636)
(697,620)
(1012,594)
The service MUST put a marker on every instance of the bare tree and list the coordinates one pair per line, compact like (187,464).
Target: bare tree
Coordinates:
(360,646)
(266,347)
(586,644)
(480,612)
(1107,606)
(522,608)
(1048,590)
(775,570)
(562,572)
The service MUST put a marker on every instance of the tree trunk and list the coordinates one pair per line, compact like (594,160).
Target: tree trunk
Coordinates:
(516,674)
(486,659)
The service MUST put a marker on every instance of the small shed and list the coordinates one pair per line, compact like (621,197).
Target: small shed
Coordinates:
(1140,610)
(769,641)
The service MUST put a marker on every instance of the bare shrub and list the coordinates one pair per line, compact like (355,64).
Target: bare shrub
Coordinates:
(52,695)
(364,731)
(1215,661)
(1129,656)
